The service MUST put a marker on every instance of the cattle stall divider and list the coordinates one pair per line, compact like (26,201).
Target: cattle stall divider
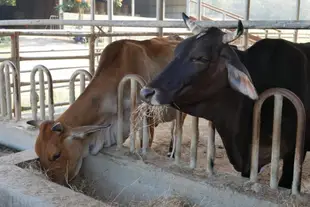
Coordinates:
(278,93)
(134,79)
(195,129)
(82,74)
(33,95)
(5,90)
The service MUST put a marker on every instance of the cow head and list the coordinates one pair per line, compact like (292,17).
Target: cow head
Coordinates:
(61,148)
(203,65)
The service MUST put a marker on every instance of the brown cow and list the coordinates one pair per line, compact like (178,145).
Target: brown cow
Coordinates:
(61,144)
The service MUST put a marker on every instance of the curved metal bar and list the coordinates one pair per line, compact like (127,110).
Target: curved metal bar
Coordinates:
(194,142)
(179,132)
(82,73)
(133,98)
(300,134)
(120,111)
(5,90)
(210,148)
(33,98)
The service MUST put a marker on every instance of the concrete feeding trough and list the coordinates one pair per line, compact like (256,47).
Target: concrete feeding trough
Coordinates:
(20,187)
(119,178)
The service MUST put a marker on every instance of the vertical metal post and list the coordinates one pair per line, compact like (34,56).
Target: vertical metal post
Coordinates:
(199,10)
(179,132)
(133,4)
(91,48)
(194,142)
(276,135)
(42,94)
(266,33)
(15,50)
(210,147)
(8,91)
(247,17)
(133,98)
(92,39)
(61,14)
(146,135)
(92,11)
(160,14)
(188,4)
(82,83)
(3,93)
(110,17)
(297,18)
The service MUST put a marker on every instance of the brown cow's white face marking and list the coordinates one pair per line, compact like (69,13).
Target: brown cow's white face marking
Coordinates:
(61,149)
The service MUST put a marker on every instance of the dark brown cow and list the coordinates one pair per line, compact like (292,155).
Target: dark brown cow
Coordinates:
(208,78)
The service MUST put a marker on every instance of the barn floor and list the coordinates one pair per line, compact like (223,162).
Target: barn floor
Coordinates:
(161,145)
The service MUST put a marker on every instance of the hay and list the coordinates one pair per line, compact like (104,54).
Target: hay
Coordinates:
(80,184)
(154,114)
(173,201)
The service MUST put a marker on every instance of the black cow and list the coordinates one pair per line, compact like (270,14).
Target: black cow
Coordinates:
(210,79)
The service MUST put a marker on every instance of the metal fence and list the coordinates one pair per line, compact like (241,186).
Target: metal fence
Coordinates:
(278,93)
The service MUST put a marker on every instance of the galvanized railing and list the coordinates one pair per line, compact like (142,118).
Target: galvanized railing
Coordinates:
(8,70)
(82,74)
(33,100)
(279,93)
(5,90)
(275,157)
(134,79)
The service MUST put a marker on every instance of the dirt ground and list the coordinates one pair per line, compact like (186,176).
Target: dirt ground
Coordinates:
(162,140)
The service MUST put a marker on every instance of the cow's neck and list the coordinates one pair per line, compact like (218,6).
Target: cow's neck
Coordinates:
(226,111)
(86,109)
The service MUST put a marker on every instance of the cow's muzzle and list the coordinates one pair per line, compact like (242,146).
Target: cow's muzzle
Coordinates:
(149,95)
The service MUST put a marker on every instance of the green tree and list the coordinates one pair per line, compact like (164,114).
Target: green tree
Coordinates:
(8,2)
(70,4)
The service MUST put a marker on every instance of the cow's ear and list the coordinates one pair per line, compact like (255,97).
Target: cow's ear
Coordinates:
(35,123)
(241,82)
(232,36)
(58,127)
(191,24)
(83,131)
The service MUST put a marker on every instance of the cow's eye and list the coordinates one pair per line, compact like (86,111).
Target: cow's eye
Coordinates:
(56,156)
(201,59)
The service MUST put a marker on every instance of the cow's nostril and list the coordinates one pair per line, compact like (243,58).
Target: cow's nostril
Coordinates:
(147,93)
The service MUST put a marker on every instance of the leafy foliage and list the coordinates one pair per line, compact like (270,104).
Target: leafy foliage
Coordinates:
(70,4)
(8,2)
(118,3)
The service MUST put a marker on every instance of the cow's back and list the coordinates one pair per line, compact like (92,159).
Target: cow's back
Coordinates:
(274,63)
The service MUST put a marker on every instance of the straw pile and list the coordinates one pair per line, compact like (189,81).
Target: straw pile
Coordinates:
(154,114)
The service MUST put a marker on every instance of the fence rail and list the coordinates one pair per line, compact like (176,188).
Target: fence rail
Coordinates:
(257,24)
